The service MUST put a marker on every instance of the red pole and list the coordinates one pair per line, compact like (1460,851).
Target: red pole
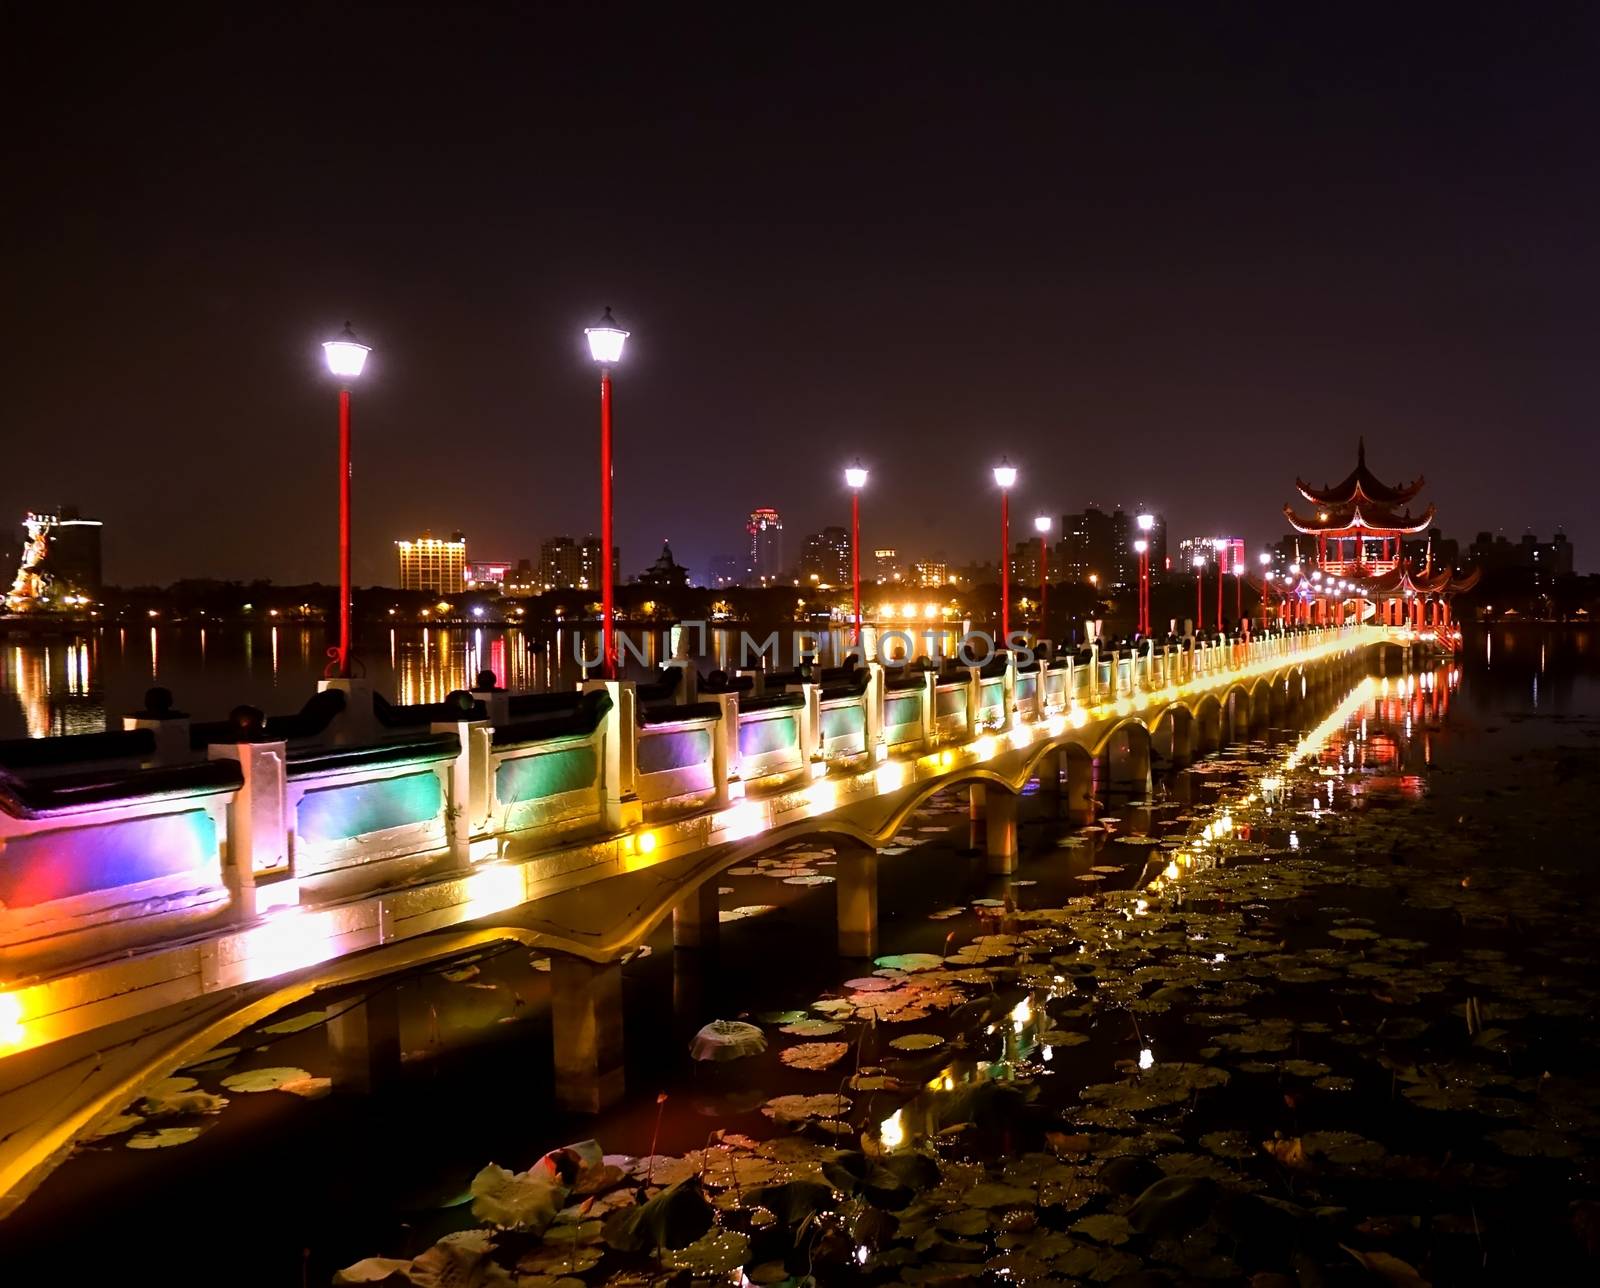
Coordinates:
(1219,592)
(1238,597)
(1044,585)
(344,533)
(1199,598)
(1144,591)
(1005,565)
(855,557)
(608,646)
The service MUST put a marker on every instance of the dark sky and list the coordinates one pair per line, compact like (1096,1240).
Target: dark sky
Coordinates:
(1162,256)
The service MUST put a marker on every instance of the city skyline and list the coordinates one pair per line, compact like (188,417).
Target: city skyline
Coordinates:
(1209,313)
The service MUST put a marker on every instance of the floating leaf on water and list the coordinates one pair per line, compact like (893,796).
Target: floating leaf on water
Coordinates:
(811,1028)
(718,1252)
(461,974)
(815,1055)
(910,962)
(916,1042)
(993,1194)
(815,879)
(782,1017)
(165,1137)
(674,1218)
(296,1023)
(1104,1227)
(1334,1083)
(116,1125)
(212,1059)
(271,1079)
(518,1200)
(792,1109)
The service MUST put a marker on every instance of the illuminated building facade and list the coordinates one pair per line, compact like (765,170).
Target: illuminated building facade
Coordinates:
(930,572)
(434,564)
(566,563)
(765,530)
(826,560)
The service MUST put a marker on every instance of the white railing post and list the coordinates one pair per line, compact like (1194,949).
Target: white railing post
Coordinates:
(258,832)
(467,777)
(619,801)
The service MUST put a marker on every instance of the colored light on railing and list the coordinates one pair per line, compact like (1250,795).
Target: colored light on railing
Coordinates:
(891,776)
(983,749)
(1079,717)
(742,821)
(290,939)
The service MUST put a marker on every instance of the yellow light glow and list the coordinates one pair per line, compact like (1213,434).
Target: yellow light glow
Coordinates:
(647,843)
(1022,1013)
(742,821)
(983,748)
(946,759)
(290,939)
(891,776)
(10,1020)
(892,1131)
(1079,717)
(495,888)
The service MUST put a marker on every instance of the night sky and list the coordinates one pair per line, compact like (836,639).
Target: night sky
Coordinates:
(1167,257)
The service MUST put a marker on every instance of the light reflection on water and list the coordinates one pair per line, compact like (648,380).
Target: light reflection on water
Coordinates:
(72,683)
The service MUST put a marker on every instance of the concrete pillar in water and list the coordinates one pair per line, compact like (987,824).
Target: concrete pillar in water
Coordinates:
(1050,782)
(586,1017)
(364,1042)
(1080,789)
(976,805)
(856,890)
(1001,833)
(1130,772)
(695,919)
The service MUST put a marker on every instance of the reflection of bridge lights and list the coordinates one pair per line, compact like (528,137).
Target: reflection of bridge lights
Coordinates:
(741,821)
(892,1130)
(1079,717)
(1022,1014)
(891,776)
(1147,1058)
(495,888)
(983,749)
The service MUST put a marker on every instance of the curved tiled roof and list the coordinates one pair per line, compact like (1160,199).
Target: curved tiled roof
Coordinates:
(1361,483)
(1359,515)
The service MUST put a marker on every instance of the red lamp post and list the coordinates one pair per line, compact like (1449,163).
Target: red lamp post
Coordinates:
(1199,593)
(1238,591)
(1005,477)
(345,356)
(1220,545)
(605,347)
(1041,525)
(1141,547)
(856,478)
(1265,559)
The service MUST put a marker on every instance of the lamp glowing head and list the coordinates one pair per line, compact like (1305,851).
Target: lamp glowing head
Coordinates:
(1219,543)
(1041,524)
(1265,559)
(856,475)
(1295,569)
(1146,522)
(345,355)
(1140,545)
(1199,561)
(1005,473)
(1238,568)
(606,339)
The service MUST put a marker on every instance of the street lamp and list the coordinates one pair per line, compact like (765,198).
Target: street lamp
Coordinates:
(1041,525)
(1005,477)
(855,477)
(345,356)
(1265,559)
(605,347)
(1145,522)
(1199,562)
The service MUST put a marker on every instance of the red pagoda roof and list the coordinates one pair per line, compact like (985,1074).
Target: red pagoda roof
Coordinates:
(1359,515)
(1424,581)
(1360,484)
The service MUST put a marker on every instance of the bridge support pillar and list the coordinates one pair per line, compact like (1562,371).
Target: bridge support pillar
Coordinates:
(695,919)
(1050,781)
(1080,789)
(364,1042)
(856,887)
(586,1017)
(1000,843)
(977,807)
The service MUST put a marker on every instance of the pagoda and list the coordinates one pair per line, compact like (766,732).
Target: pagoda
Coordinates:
(1361,571)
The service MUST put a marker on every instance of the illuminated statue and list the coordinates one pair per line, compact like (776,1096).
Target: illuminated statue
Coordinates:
(33,581)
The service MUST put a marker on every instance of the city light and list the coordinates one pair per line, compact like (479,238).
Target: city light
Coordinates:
(1146,522)
(855,476)
(345,355)
(1041,524)
(606,339)
(1005,475)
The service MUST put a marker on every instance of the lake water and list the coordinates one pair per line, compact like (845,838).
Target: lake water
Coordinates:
(72,683)
(1353,1011)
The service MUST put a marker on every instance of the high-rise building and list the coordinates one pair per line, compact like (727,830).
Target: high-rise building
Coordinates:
(1087,547)
(886,567)
(930,572)
(826,560)
(488,574)
(431,563)
(765,531)
(566,563)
